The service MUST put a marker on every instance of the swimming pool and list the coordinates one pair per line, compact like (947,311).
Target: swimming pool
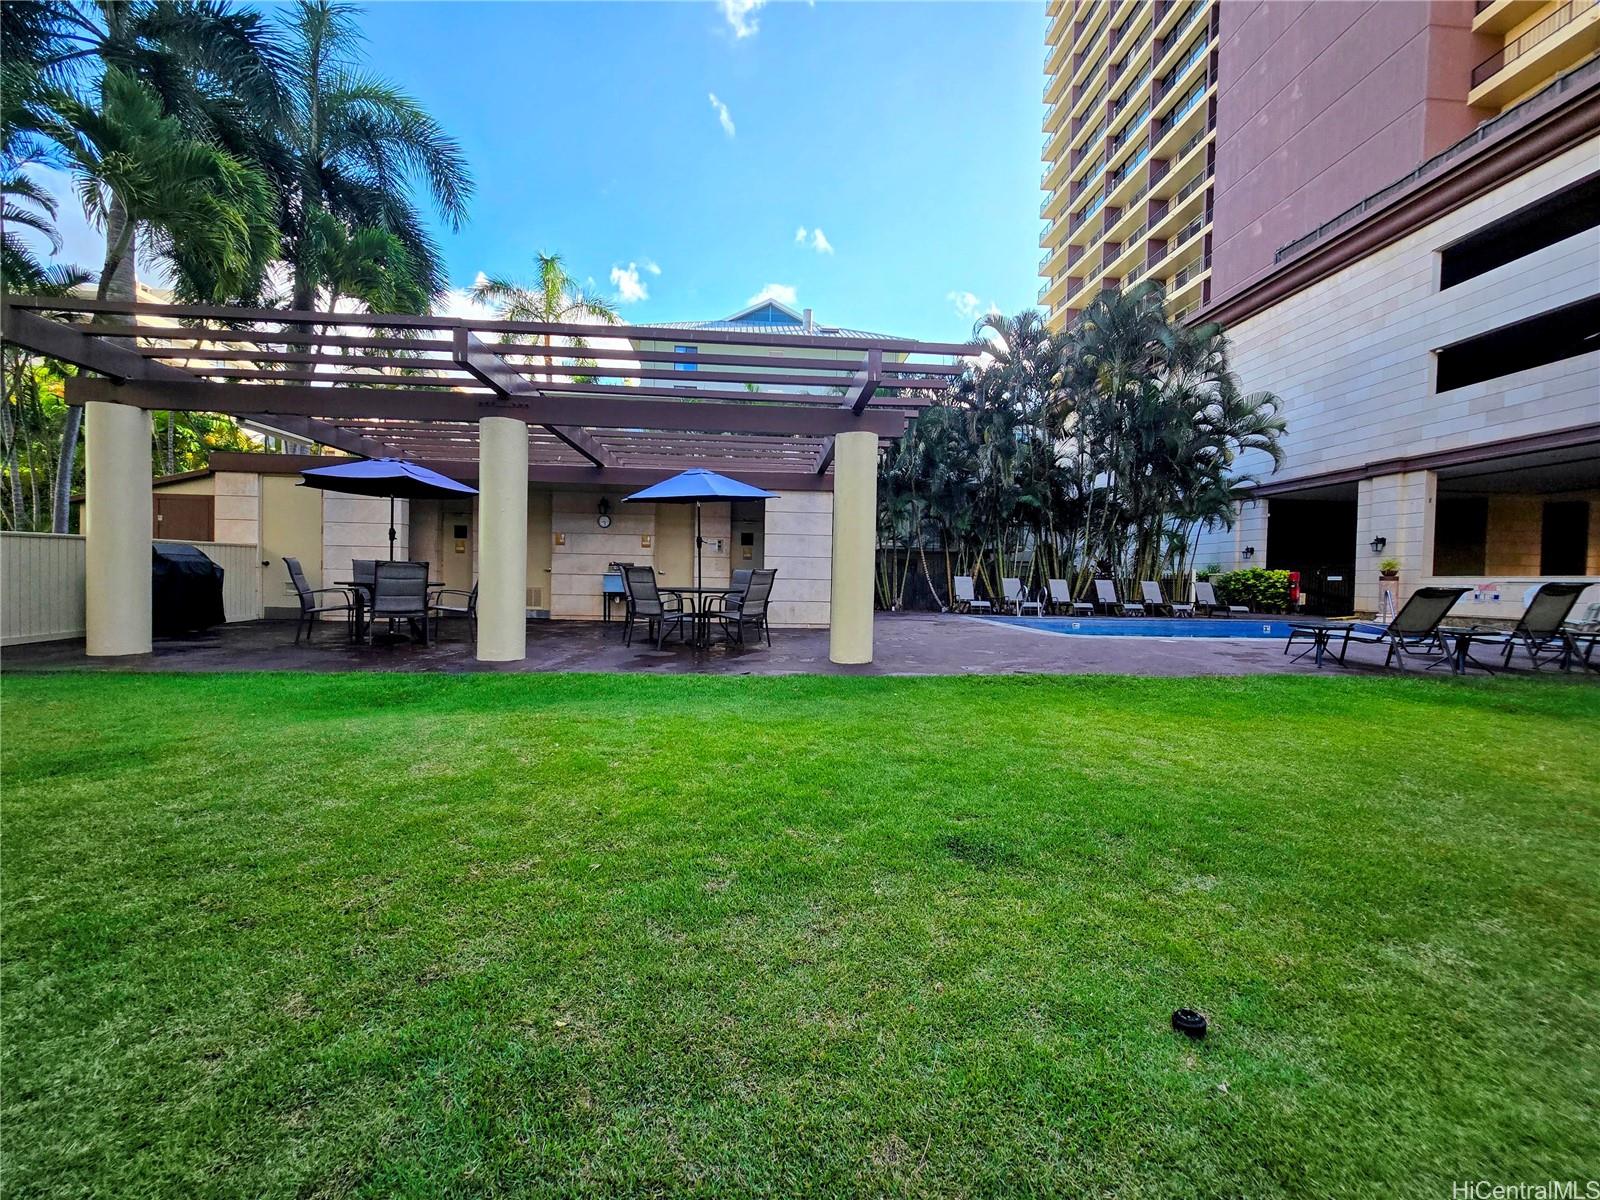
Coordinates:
(1188,627)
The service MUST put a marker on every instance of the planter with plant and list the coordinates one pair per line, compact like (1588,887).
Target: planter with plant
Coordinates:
(1389,568)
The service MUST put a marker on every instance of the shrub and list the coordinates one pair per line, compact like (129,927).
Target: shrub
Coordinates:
(1256,588)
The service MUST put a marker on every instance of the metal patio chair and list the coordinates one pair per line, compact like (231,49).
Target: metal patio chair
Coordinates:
(311,607)
(966,597)
(1105,593)
(748,609)
(464,603)
(1205,596)
(647,604)
(400,593)
(1059,592)
(1017,600)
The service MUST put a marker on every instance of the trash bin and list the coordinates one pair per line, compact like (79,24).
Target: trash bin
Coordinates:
(185,591)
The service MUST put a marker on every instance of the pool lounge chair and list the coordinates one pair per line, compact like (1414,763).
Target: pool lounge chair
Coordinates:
(1205,596)
(1105,594)
(967,597)
(1060,593)
(1414,630)
(1541,630)
(1017,600)
(1153,599)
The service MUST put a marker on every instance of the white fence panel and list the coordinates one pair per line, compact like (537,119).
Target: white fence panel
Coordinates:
(42,588)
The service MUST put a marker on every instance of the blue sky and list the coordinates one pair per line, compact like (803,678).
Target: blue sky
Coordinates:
(908,133)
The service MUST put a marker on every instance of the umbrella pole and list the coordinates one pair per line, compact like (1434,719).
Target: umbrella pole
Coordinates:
(391,528)
(699,542)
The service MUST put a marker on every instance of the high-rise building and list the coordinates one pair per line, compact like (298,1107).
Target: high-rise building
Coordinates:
(1131,96)
(1193,141)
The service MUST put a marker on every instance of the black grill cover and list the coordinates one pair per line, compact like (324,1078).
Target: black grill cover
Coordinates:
(186,591)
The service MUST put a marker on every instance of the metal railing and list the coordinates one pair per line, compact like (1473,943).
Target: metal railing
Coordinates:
(1177,31)
(1203,263)
(1188,189)
(1201,49)
(1513,50)
(1183,107)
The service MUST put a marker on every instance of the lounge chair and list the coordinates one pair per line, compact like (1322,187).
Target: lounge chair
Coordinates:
(1414,629)
(646,603)
(1154,600)
(1105,593)
(1060,593)
(1542,630)
(1017,600)
(1205,596)
(967,597)
(312,607)
(748,609)
(400,593)
(462,603)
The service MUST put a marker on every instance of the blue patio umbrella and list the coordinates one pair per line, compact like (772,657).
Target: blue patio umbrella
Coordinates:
(696,486)
(391,477)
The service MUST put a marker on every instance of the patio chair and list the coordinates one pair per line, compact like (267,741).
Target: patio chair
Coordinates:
(1060,593)
(740,581)
(464,603)
(1205,596)
(1414,630)
(1542,629)
(400,593)
(1155,601)
(747,609)
(1105,593)
(1017,600)
(647,604)
(967,597)
(311,607)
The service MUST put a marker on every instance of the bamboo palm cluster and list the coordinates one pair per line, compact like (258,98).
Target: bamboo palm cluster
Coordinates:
(1100,450)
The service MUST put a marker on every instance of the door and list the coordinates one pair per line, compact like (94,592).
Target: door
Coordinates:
(749,538)
(182,518)
(456,548)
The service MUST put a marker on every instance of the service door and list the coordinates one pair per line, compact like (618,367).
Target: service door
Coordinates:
(456,550)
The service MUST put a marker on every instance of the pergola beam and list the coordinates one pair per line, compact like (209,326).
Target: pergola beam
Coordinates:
(472,356)
(866,382)
(687,414)
(824,459)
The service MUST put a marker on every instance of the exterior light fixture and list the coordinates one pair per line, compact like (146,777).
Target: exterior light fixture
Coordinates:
(1249,552)
(1378,544)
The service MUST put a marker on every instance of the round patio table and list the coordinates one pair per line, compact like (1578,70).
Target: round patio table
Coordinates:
(702,619)
(1460,638)
(1318,633)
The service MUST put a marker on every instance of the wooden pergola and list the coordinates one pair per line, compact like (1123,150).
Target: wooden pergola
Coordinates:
(504,403)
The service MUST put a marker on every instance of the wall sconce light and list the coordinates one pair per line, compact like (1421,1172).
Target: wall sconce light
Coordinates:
(1249,552)
(1378,544)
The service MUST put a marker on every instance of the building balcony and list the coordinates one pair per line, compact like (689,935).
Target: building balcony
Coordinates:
(1055,86)
(1057,58)
(1563,39)
(1176,22)
(1183,120)
(1501,16)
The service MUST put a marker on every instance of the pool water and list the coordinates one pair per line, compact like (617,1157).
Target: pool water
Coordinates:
(1190,627)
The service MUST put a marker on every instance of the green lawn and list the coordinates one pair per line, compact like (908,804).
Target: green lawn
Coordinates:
(279,935)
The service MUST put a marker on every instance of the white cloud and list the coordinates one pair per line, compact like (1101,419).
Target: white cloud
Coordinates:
(649,264)
(722,114)
(800,235)
(783,293)
(630,288)
(741,16)
(458,302)
(819,243)
(969,306)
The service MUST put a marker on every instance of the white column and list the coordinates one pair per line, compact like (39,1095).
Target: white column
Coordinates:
(502,539)
(116,518)
(855,536)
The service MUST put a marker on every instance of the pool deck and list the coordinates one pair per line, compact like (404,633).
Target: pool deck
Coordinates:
(906,644)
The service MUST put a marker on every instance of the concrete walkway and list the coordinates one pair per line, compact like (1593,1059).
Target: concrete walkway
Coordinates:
(906,644)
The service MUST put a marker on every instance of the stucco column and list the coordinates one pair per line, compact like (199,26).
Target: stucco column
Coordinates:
(116,525)
(855,536)
(502,539)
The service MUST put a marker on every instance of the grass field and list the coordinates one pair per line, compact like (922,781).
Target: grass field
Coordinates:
(277,935)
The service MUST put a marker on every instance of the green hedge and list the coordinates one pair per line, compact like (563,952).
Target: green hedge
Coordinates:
(1256,588)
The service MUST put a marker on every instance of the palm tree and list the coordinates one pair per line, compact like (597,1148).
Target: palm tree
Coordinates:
(350,147)
(210,67)
(556,297)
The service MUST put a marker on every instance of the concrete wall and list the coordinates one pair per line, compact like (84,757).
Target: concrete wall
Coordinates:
(291,527)
(358,527)
(799,546)
(1321,104)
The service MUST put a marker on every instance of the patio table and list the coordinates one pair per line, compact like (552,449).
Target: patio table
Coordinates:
(1318,633)
(701,623)
(1460,638)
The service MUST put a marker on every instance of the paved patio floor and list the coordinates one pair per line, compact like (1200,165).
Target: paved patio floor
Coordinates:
(906,644)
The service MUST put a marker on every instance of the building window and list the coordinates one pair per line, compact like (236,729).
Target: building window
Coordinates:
(688,351)
(1564,537)
(1549,337)
(1544,223)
